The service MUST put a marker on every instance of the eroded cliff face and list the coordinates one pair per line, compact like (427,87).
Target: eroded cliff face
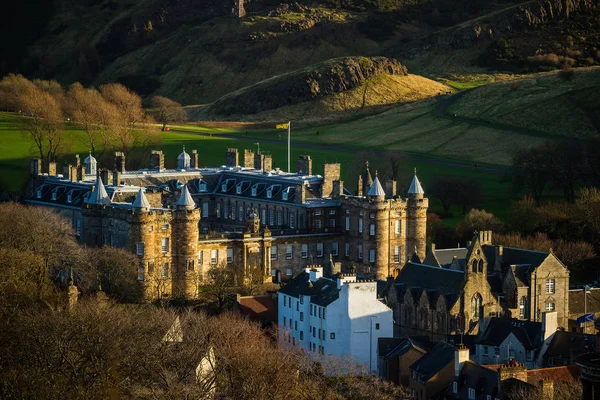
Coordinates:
(319,80)
(514,19)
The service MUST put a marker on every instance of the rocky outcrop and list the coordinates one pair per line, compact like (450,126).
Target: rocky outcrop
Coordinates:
(319,80)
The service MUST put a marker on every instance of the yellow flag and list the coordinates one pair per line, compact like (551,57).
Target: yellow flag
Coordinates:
(281,126)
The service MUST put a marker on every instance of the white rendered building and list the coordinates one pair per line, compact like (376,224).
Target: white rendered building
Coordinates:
(333,317)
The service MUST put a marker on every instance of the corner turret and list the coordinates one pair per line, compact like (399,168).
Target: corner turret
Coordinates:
(99,195)
(141,203)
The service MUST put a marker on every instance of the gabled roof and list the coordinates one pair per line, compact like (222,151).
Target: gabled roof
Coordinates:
(376,189)
(140,200)
(185,200)
(568,344)
(431,259)
(566,373)
(259,308)
(480,378)
(434,361)
(445,281)
(99,195)
(396,347)
(322,292)
(514,256)
(445,256)
(415,186)
(526,332)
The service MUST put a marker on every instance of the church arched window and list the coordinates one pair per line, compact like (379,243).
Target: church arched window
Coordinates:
(474,266)
(476,304)
(480,266)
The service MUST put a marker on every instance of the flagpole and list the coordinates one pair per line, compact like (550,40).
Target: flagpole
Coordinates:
(289,128)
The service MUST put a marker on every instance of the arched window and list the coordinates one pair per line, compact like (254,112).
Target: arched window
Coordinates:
(474,266)
(476,304)
(480,266)
(522,306)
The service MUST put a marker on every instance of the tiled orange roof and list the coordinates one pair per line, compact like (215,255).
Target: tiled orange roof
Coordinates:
(493,367)
(567,373)
(259,308)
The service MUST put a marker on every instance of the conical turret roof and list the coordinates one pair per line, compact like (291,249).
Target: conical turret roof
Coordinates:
(367,179)
(376,189)
(415,186)
(140,200)
(99,195)
(185,200)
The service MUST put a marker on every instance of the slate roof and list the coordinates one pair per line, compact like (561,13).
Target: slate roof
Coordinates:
(419,276)
(376,189)
(526,332)
(475,376)
(567,344)
(396,347)
(577,298)
(521,274)
(185,200)
(470,341)
(99,195)
(514,256)
(415,186)
(323,291)
(140,200)
(445,256)
(434,361)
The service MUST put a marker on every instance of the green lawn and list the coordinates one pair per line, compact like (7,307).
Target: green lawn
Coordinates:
(16,149)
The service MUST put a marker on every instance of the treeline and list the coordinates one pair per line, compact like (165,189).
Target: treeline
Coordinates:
(112,117)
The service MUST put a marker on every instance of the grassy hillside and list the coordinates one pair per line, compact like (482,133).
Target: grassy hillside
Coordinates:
(560,107)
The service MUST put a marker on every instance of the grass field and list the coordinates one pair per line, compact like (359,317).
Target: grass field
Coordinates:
(16,149)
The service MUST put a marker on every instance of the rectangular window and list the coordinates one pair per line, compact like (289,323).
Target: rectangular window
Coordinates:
(319,317)
(550,307)
(164,227)
(254,191)
(372,255)
(485,350)
(279,217)
(226,210)
(377,326)
(200,257)
(372,215)
(241,213)
(141,272)
(233,210)
(292,219)
(284,304)
(332,335)
(372,229)
(165,245)
(214,257)
(334,249)
(263,216)
(324,318)
(78,227)
(151,268)
(347,249)
(218,210)
(289,251)
(229,256)
(528,355)
(319,249)
(454,387)
(205,209)
(301,316)
(165,270)
(318,224)
(396,254)
(140,249)
(273,252)
(397,230)
(360,225)
(471,394)
(496,351)
(317,212)
(271,217)
(347,223)
(301,335)
(295,325)
(550,286)
(284,318)
(360,251)
(304,250)
(202,187)
(301,299)
(332,222)
(288,272)
(297,306)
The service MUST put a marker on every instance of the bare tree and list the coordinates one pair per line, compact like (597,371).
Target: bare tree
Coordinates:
(168,111)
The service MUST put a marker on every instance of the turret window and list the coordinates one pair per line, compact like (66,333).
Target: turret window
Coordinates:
(397,230)
(396,254)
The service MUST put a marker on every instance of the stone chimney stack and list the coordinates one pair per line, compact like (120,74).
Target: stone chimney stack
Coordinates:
(498,261)
(461,356)
(80,173)
(71,173)
(512,369)
(116,177)
(34,166)
(105,176)
(338,189)
(331,172)
(304,165)
(300,193)
(77,160)
(120,161)
(390,188)
(194,160)
(232,157)
(485,237)
(157,160)
(547,386)
(267,163)
(51,169)
(248,158)
(359,189)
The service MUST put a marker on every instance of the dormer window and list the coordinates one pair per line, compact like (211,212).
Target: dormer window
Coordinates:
(202,187)
(253,191)
(269,193)
(238,189)
(224,187)
(284,196)
(53,195)
(331,212)
(39,194)
(317,212)
(69,198)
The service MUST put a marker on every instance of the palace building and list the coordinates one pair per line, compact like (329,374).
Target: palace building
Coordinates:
(182,222)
